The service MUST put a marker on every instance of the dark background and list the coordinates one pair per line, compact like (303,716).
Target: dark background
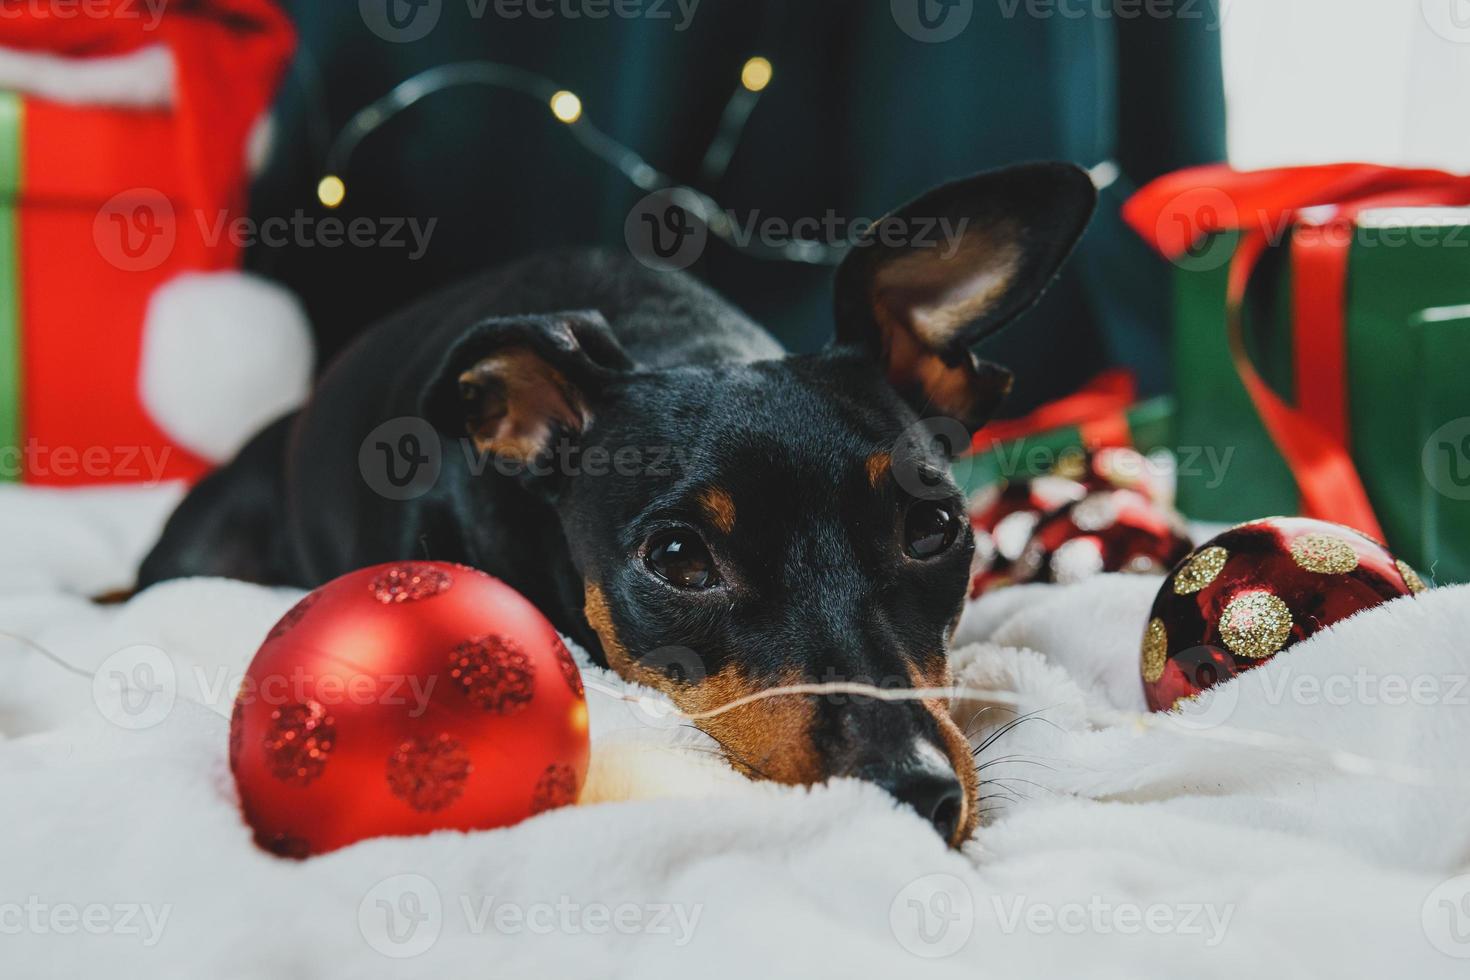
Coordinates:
(859,118)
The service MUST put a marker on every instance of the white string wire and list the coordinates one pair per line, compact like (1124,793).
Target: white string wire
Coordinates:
(1347,763)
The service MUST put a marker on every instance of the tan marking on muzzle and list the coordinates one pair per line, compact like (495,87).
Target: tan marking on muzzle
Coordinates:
(771,738)
(599,617)
(719,508)
(935,672)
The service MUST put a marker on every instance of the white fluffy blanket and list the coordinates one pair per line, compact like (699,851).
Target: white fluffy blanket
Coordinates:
(1310,819)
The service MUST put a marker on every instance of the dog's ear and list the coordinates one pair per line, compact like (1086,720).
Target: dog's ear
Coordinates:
(515,385)
(953,267)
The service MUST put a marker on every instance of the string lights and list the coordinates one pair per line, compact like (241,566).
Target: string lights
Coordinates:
(566,107)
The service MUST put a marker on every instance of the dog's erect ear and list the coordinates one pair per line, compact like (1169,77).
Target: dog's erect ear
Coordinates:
(515,385)
(953,267)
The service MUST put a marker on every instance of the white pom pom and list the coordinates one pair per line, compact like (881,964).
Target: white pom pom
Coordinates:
(223,354)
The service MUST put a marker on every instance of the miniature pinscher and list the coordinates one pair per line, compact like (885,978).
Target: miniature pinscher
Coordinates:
(655,473)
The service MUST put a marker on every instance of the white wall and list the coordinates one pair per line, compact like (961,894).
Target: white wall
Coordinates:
(1318,81)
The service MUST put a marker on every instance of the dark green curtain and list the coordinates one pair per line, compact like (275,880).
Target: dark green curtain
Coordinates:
(860,117)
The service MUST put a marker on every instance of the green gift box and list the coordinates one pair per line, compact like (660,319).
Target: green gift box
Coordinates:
(1405,342)
(1150,427)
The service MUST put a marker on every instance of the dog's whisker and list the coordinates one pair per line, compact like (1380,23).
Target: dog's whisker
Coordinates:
(1015,760)
(1008,726)
(1017,779)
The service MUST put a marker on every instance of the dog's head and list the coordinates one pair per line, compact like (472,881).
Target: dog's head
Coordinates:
(741,527)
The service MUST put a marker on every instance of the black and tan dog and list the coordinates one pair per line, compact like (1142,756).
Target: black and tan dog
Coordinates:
(744,504)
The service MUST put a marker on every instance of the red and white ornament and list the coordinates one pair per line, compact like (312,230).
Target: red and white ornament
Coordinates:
(1105,531)
(1003,517)
(403,699)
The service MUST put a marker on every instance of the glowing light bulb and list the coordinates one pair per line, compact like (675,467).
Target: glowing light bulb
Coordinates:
(756,74)
(566,106)
(331,191)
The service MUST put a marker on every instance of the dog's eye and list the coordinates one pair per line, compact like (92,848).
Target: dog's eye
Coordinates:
(929,528)
(680,558)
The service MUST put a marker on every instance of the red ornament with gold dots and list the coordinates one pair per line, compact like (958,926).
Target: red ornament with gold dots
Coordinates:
(403,699)
(1256,590)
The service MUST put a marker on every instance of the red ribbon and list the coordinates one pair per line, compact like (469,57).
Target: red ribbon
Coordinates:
(1180,210)
(1099,409)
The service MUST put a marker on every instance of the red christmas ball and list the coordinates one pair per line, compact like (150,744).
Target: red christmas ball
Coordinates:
(1105,531)
(1254,591)
(403,699)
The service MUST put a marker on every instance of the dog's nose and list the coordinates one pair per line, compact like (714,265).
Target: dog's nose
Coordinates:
(933,790)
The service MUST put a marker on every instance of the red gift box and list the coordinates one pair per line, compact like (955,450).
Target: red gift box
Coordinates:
(101,205)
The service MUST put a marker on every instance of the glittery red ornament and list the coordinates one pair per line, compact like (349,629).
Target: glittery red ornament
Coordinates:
(403,699)
(1255,590)
(1105,531)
